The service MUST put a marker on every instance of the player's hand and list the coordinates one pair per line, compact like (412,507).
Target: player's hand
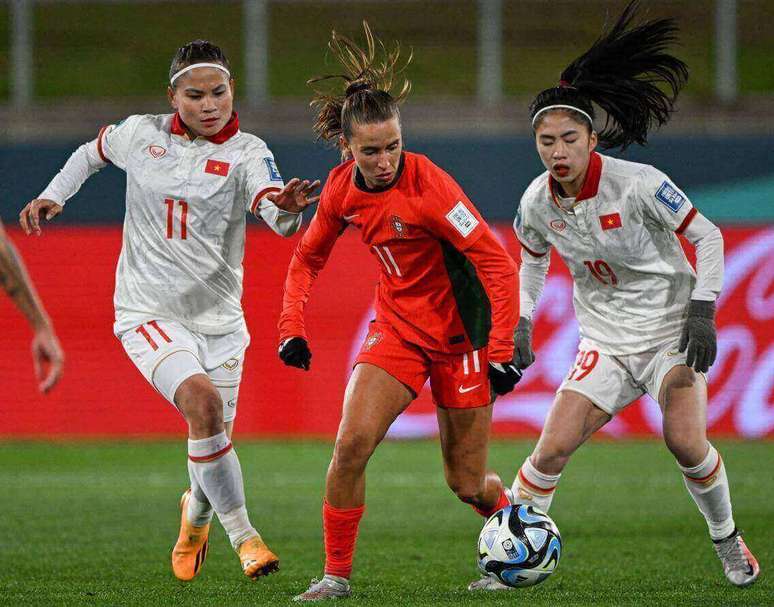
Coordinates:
(30,216)
(503,377)
(296,195)
(699,335)
(295,352)
(522,339)
(47,358)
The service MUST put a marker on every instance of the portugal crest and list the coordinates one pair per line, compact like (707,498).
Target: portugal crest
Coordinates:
(371,341)
(398,227)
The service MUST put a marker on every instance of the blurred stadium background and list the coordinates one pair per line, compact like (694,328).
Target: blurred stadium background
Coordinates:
(74,508)
(67,68)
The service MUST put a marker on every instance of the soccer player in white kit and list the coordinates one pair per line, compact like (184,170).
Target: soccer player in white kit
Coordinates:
(191,176)
(646,318)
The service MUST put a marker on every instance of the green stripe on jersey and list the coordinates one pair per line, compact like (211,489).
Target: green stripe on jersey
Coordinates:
(472,301)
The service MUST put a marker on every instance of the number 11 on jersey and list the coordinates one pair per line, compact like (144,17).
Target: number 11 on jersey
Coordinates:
(171,218)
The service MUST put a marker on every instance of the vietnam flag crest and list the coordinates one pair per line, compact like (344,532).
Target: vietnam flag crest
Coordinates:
(217,167)
(610,222)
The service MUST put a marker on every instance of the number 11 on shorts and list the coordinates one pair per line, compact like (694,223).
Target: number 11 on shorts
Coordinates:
(171,218)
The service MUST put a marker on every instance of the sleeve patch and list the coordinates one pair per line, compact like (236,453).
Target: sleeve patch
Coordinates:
(462,219)
(274,174)
(668,195)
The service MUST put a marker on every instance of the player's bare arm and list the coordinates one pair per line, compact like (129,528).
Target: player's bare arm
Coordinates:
(296,196)
(47,355)
(30,215)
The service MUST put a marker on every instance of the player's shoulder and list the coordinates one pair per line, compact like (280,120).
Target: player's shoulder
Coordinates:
(339,179)
(536,192)
(252,144)
(627,170)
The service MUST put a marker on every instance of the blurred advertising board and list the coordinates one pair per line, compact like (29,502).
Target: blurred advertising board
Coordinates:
(102,394)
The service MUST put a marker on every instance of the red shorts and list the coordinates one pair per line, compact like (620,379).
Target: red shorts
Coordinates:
(457,381)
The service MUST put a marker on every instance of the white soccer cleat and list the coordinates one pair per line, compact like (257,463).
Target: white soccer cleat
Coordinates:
(329,587)
(487,583)
(739,564)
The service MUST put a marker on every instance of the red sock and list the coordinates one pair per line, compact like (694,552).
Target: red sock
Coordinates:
(340,533)
(502,502)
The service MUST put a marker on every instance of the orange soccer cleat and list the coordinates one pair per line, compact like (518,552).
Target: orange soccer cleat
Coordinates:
(257,559)
(191,548)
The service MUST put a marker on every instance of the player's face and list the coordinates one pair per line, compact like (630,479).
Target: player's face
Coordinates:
(376,149)
(204,98)
(565,146)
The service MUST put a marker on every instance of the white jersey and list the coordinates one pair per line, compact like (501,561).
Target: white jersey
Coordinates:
(632,281)
(184,230)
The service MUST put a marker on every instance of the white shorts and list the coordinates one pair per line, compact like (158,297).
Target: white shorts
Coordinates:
(612,382)
(167,354)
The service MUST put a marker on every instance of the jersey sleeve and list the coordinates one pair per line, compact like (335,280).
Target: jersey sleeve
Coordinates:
(308,259)
(261,177)
(114,142)
(531,239)
(663,201)
(449,214)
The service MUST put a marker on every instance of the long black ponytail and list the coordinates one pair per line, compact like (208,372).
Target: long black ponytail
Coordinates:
(625,73)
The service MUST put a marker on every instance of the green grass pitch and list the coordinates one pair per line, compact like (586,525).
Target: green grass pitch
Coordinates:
(93,524)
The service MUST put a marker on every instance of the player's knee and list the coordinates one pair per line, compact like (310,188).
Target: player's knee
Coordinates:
(203,410)
(689,448)
(352,452)
(468,489)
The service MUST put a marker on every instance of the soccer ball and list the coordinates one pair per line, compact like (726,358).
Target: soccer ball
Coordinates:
(519,546)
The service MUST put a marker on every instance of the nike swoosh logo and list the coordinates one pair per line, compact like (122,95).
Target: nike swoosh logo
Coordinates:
(463,390)
(350,217)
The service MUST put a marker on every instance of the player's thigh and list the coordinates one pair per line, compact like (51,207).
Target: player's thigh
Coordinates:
(572,419)
(683,401)
(226,379)
(372,401)
(166,354)
(464,436)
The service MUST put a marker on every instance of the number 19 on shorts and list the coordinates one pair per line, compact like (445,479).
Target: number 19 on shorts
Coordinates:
(182,207)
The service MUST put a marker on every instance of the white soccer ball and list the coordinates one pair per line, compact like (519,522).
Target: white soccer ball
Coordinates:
(519,546)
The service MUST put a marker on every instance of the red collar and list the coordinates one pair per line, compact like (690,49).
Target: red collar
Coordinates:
(223,135)
(590,185)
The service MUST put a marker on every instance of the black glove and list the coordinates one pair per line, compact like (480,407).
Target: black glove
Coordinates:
(522,339)
(699,335)
(295,352)
(503,377)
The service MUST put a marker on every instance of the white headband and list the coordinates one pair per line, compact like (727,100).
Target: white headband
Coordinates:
(217,66)
(560,107)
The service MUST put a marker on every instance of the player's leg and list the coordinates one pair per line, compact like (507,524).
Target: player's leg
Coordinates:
(372,401)
(683,399)
(464,434)
(596,388)
(572,419)
(166,354)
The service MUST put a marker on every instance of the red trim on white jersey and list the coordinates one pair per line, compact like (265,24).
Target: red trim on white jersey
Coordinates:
(530,251)
(227,132)
(590,186)
(261,194)
(100,150)
(687,221)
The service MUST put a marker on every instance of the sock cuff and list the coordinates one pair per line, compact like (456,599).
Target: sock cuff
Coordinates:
(210,448)
(706,471)
(342,514)
(536,480)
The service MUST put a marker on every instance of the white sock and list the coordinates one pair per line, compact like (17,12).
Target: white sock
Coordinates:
(199,511)
(534,487)
(215,466)
(708,485)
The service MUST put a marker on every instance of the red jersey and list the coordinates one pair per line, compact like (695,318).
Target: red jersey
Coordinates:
(445,283)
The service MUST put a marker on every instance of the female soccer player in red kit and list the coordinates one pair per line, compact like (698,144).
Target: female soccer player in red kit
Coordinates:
(446,303)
